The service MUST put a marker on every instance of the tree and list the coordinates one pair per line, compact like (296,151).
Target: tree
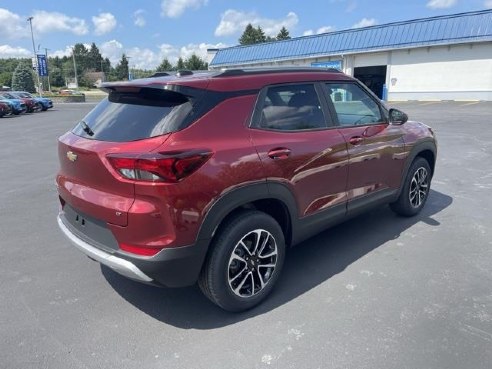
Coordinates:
(249,35)
(121,69)
(5,79)
(56,77)
(195,63)
(22,79)
(180,65)
(260,35)
(283,34)
(95,59)
(164,66)
(252,35)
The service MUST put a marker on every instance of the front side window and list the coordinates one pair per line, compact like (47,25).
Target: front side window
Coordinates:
(291,108)
(353,105)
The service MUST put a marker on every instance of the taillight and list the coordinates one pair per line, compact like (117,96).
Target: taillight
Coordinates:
(158,167)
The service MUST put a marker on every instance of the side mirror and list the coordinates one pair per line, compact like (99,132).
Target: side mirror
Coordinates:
(397,116)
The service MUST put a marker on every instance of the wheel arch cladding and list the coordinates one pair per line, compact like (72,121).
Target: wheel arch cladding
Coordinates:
(278,203)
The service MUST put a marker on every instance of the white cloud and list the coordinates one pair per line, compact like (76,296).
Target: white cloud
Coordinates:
(67,51)
(324,29)
(488,4)
(145,58)
(45,22)
(441,4)
(103,23)
(138,18)
(235,21)
(12,26)
(7,51)
(112,50)
(365,22)
(175,8)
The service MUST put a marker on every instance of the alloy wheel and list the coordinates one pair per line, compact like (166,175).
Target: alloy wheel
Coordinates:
(419,187)
(252,263)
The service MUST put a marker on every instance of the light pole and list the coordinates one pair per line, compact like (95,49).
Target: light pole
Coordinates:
(35,56)
(75,67)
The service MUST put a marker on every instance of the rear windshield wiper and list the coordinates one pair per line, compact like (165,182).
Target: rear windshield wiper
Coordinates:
(86,128)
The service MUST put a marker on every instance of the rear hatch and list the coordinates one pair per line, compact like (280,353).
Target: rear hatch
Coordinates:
(135,120)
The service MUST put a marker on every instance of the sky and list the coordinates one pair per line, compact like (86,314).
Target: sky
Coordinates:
(149,31)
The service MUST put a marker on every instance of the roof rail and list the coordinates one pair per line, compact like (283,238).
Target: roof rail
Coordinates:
(244,71)
(179,73)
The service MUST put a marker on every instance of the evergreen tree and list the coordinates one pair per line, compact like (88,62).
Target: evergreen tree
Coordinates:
(195,63)
(180,65)
(260,35)
(249,36)
(22,79)
(164,66)
(121,69)
(95,58)
(252,35)
(283,34)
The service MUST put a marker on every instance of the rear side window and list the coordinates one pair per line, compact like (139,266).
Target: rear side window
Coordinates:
(291,108)
(131,116)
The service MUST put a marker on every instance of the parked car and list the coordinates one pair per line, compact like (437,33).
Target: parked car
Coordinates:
(17,105)
(31,105)
(43,102)
(5,109)
(210,177)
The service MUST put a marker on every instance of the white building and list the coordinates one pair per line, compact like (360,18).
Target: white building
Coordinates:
(439,58)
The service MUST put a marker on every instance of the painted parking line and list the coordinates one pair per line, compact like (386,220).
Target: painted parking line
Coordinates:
(430,103)
(471,103)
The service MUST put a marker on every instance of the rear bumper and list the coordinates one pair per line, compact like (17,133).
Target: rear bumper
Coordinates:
(123,267)
(173,267)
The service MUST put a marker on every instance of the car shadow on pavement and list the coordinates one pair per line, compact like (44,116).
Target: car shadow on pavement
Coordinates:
(306,266)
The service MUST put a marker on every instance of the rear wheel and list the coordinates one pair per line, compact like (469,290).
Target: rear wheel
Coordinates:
(415,189)
(245,262)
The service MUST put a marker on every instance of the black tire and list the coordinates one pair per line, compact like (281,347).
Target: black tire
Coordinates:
(415,189)
(229,263)
(38,107)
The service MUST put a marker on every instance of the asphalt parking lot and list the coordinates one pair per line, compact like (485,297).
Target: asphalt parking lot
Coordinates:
(379,291)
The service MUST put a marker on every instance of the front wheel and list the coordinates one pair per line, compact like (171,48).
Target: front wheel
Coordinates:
(415,189)
(245,262)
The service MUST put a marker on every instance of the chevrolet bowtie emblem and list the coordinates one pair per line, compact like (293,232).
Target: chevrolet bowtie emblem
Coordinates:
(71,156)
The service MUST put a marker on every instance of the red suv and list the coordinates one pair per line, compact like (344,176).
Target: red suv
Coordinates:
(209,177)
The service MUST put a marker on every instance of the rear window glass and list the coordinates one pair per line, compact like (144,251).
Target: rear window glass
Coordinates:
(125,116)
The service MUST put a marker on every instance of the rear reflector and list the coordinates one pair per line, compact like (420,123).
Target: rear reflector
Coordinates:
(138,250)
(158,167)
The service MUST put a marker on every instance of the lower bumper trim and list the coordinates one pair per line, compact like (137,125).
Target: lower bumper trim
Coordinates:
(119,265)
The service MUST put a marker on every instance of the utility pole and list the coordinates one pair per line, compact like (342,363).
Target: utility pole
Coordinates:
(46,54)
(35,56)
(75,68)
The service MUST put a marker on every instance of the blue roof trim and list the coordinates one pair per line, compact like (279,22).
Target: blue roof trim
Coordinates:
(448,29)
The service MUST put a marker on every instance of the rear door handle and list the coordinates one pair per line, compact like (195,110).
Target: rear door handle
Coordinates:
(356,140)
(279,153)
